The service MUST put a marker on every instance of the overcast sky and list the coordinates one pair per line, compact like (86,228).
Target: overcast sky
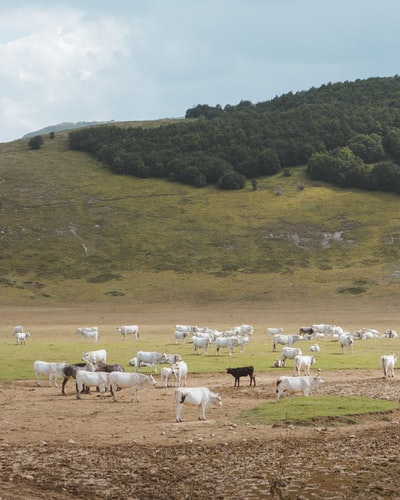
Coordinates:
(85,60)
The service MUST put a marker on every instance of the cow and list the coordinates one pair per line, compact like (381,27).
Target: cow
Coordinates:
(90,332)
(275,331)
(321,328)
(303,361)
(181,369)
(200,396)
(228,342)
(185,328)
(180,336)
(104,367)
(285,340)
(126,330)
(306,330)
(289,353)
(135,381)
(391,334)
(387,364)
(346,340)
(293,385)
(99,356)
(86,379)
(18,329)
(21,337)
(244,371)
(278,363)
(166,373)
(200,343)
(71,370)
(314,348)
(53,370)
(150,357)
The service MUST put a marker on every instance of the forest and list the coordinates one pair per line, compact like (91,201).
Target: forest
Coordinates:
(346,133)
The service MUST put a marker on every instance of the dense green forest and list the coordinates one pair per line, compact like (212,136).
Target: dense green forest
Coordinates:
(344,133)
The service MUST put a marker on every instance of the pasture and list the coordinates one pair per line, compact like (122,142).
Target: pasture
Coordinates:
(43,433)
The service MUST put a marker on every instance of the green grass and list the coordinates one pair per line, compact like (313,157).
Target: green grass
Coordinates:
(69,224)
(321,409)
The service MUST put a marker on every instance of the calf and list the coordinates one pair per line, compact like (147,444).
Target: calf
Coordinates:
(293,385)
(303,361)
(21,337)
(166,373)
(245,371)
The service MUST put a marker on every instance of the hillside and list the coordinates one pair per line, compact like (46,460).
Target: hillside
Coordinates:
(73,231)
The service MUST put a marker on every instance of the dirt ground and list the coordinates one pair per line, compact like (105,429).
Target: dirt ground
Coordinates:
(56,447)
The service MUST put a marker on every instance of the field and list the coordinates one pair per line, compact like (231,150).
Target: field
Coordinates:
(60,448)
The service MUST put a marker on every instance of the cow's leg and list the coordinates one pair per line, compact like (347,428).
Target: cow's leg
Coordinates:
(178,412)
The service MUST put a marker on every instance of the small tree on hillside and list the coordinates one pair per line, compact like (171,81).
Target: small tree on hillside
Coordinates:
(35,142)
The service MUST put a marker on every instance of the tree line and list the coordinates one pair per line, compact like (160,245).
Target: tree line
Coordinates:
(344,133)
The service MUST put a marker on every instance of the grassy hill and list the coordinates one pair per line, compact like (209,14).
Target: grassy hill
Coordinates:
(71,230)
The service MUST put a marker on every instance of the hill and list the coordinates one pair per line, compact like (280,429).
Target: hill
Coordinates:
(60,127)
(71,230)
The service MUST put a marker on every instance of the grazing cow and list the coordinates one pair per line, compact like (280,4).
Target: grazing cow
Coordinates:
(71,370)
(21,337)
(180,336)
(243,330)
(289,353)
(89,333)
(99,356)
(314,348)
(200,343)
(346,340)
(200,396)
(303,361)
(150,357)
(228,342)
(391,334)
(322,328)
(53,370)
(165,373)
(285,340)
(387,363)
(244,371)
(297,384)
(135,381)
(85,379)
(126,330)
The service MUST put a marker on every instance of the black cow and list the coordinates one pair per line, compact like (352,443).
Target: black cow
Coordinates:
(245,371)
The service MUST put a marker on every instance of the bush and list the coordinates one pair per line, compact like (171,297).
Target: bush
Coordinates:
(35,142)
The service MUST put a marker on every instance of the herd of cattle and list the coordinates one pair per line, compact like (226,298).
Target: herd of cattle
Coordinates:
(94,371)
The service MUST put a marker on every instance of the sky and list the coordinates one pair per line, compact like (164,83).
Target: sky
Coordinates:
(129,60)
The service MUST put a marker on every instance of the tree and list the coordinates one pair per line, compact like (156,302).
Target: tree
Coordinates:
(35,142)
(232,180)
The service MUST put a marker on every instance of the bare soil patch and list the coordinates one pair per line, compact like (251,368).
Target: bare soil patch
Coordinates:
(56,447)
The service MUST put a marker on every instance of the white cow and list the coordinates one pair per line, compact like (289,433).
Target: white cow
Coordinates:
(387,363)
(151,357)
(303,361)
(285,340)
(53,370)
(134,362)
(200,396)
(89,333)
(135,381)
(314,348)
(21,337)
(166,373)
(293,385)
(274,331)
(200,343)
(346,340)
(126,330)
(227,342)
(180,336)
(99,356)
(91,379)
(18,329)
(185,328)
(181,369)
(289,353)
(243,330)
(322,328)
